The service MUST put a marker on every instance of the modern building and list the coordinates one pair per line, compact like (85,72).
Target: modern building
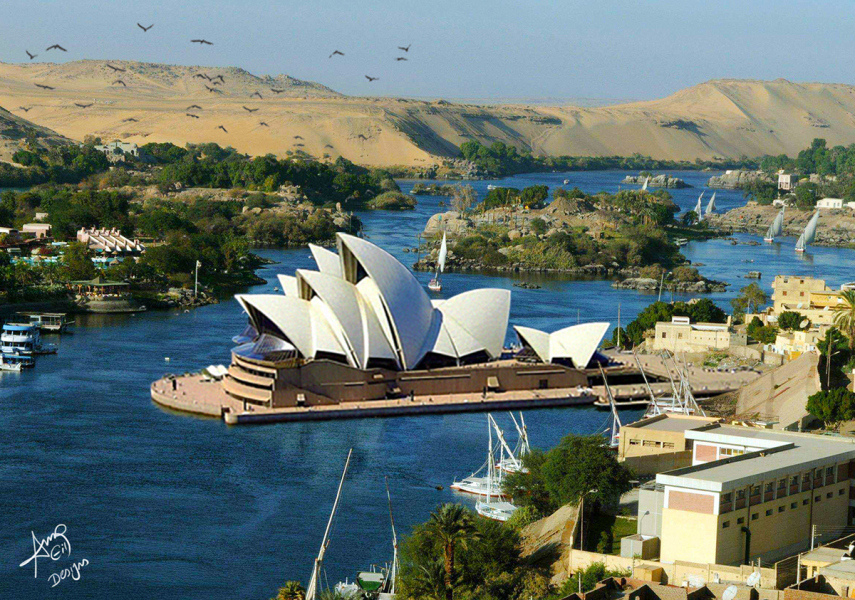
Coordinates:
(680,335)
(109,241)
(830,203)
(750,494)
(38,230)
(787,181)
(362,328)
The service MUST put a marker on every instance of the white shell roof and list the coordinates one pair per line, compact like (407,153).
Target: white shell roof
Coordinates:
(363,304)
(577,342)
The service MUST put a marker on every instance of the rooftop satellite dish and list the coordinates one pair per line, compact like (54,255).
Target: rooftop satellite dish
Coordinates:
(730,592)
(753,579)
(804,323)
(695,581)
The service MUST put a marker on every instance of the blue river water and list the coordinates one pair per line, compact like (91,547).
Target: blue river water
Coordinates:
(171,506)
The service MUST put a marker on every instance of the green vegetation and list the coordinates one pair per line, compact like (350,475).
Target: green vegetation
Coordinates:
(751,298)
(581,465)
(834,375)
(702,311)
(456,554)
(433,189)
(765,334)
(832,406)
(791,320)
(586,580)
(391,201)
(292,590)
(844,317)
(500,160)
(60,164)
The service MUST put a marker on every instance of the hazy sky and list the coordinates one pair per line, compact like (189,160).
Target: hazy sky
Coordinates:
(460,48)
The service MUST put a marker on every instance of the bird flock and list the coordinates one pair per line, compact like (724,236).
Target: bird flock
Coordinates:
(211,82)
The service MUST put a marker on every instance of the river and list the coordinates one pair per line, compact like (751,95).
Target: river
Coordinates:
(171,506)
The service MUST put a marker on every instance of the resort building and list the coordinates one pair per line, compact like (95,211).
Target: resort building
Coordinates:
(749,494)
(109,241)
(38,230)
(680,335)
(362,328)
(99,288)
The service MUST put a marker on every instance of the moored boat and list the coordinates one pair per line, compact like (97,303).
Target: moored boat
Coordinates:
(16,362)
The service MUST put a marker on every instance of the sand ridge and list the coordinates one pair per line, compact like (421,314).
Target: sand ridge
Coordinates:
(720,118)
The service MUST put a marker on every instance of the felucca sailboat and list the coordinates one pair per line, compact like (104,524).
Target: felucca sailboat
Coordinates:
(776,228)
(809,234)
(699,210)
(435,284)
(711,205)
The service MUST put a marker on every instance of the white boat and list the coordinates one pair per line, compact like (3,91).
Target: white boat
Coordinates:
(566,181)
(494,507)
(776,228)
(492,187)
(699,211)
(14,366)
(646,182)
(681,402)
(711,204)
(809,234)
(483,485)
(513,462)
(19,338)
(435,285)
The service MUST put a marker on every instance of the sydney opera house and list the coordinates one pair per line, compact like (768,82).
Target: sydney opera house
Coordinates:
(361,328)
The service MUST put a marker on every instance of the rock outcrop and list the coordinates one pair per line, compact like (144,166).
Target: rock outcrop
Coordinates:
(738,179)
(836,226)
(663,181)
(705,286)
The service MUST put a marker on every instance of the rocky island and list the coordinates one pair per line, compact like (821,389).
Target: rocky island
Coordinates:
(736,179)
(655,181)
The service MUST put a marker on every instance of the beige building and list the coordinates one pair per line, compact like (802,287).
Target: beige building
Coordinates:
(787,181)
(830,203)
(680,335)
(806,295)
(793,344)
(752,494)
(38,230)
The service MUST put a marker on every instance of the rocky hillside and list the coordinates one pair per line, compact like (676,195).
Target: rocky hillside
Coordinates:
(15,132)
(836,227)
(144,102)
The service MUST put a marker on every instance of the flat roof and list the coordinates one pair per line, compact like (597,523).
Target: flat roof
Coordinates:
(845,569)
(674,423)
(824,554)
(780,454)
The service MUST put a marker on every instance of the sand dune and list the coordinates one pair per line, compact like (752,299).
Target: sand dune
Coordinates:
(722,118)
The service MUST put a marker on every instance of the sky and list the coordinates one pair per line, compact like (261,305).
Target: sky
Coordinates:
(622,49)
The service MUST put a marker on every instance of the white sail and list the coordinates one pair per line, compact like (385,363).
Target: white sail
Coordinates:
(777,226)
(800,245)
(644,187)
(810,230)
(443,251)
(711,205)
(699,209)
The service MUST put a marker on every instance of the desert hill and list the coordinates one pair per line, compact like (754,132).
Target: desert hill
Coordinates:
(723,118)
(16,131)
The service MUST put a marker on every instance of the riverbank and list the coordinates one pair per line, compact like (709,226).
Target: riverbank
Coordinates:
(836,227)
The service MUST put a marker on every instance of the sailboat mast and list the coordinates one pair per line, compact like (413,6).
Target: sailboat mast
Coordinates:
(312,589)
(393,574)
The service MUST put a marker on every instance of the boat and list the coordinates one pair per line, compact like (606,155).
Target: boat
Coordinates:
(435,285)
(711,204)
(612,429)
(646,183)
(16,362)
(312,590)
(681,402)
(51,322)
(513,462)
(699,211)
(809,235)
(19,338)
(681,242)
(489,485)
(776,228)
(566,181)
(375,582)
(495,506)
(492,187)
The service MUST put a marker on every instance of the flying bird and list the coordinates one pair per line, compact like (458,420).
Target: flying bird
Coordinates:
(370,79)
(275,91)
(404,48)
(210,89)
(192,115)
(223,128)
(145,29)
(130,120)
(298,137)
(336,52)
(202,76)
(256,93)
(44,87)
(56,47)
(400,58)
(25,109)
(252,110)
(109,66)
(215,82)
(82,105)
(32,56)
(200,42)
(263,124)
(192,106)
(120,81)
(220,77)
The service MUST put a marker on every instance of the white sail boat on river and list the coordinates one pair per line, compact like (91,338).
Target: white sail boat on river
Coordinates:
(809,234)
(711,205)
(489,485)
(699,211)
(494,506)
(776,228)
(513,462)
(435,285)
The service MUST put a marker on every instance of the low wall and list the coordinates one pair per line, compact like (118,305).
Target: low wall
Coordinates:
(651,464)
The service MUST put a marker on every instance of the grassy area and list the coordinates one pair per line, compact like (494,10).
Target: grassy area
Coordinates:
(603,532)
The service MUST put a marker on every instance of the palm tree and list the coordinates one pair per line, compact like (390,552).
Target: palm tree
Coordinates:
(452,526)
(292,590)
(844,316)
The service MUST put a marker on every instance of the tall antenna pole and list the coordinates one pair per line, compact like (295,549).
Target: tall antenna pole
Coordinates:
(312,590)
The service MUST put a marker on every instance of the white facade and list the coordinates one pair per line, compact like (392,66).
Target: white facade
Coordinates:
(830,203)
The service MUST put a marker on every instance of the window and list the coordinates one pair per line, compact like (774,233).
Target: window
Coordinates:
(782,508)
(806,478)
(728,496)
(755,489)
(634,442)
(793,504)
(805,501)
(650,443)
(664,335)
(740,520)
(667,444)
(740,494)
(730,452)
(817,499)
(794,480)
(769,513)
(755,516)
(769,489)
(782,484)
(801,293)
(841,492)
(829,472)
(829,495)
(725,525)
(785,292)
